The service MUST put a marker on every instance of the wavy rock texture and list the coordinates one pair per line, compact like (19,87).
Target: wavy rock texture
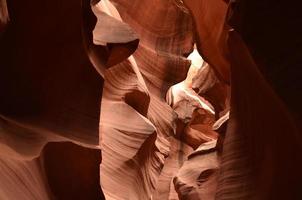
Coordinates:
(209,19)
(27,177)
(49,92)
(225,126)
(252,168)
(135,140)
(197,178)
(255,152)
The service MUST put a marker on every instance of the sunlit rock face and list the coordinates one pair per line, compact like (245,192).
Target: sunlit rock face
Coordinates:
(139,100)
(137,126)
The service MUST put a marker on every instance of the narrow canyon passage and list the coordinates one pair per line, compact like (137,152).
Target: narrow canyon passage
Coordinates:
(150,99)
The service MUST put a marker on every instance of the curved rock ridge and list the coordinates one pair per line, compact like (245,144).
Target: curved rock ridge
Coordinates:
(107,39)
(127,137)
(262,123)
(161,26)
(197,178)
(110,27)
(209,20)
(134,145)
(49,93)
(168,124)
(252,167)
(52,95)
(28,177)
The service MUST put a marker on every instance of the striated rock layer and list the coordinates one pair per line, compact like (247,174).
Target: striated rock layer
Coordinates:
(136,123)
(49,93)
(111,99)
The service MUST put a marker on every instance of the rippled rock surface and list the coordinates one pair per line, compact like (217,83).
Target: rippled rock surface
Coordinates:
(137,99)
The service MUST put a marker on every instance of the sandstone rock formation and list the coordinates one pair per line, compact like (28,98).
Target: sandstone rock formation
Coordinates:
(120,99)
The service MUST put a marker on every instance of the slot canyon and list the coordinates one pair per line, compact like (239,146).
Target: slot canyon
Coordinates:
(150,100)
